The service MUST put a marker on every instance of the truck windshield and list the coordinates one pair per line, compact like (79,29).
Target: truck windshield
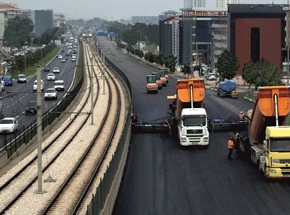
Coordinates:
(196,120)
(280,145)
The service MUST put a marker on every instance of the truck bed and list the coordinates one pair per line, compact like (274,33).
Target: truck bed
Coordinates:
(263,114)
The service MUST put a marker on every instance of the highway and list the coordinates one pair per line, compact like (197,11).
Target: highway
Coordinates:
(17,96)
(163,178)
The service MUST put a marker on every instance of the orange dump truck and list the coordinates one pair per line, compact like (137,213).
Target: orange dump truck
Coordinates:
(268,138)
(191,116)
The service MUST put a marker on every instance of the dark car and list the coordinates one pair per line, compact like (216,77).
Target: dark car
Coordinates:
(46,69)
(31,108)
(8,80)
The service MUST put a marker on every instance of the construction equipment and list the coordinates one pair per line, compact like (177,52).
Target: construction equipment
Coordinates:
(162,77)
(267,141)
(227,88)
(163,74)
(158,80)
(162,125)
(190,115)
(151,85)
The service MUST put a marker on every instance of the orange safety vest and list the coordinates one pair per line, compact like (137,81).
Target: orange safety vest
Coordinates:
(231,144)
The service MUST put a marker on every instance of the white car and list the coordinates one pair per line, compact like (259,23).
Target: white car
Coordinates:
(35,85)
(8,125)
(59,85)
(56,70)
(59,56)
(50,93)
(50,77)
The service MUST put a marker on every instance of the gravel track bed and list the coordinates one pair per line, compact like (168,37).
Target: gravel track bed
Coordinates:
(30,201)
(112,149)
(70,197)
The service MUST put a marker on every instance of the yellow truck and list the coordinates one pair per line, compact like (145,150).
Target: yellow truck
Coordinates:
(151,85)
(190,114)
(268,138)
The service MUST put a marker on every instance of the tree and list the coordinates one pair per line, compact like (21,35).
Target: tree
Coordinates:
(18,32)
(186,69)
(248,74)
(170,62)
(262,73)
(227,65)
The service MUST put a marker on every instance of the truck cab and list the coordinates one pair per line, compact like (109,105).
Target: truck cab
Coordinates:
(275,153)
(192,127)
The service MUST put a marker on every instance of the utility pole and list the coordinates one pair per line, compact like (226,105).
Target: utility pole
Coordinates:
(39,131)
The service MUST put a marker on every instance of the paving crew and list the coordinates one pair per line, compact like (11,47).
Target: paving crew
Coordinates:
(231,146)
(134,118)
(237,144)
(241,116)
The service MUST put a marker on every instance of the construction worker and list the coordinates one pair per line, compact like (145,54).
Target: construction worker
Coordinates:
(173,108)
(237,144)
(241,116)
(231,146)
(134,118)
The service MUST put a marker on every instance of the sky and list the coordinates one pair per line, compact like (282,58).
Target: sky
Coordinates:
(115,9)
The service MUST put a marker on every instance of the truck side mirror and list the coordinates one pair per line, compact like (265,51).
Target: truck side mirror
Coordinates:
(265,145)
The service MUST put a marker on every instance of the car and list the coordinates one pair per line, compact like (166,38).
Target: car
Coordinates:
(50,77)
(211,78)
(8,80)
(50,93)
(31,108)
(46,69)
(63,60)
(59,85)
(21,78)
(2,86)
(35,85)
(73,59)
(59,56)
(55,70)
(8,125)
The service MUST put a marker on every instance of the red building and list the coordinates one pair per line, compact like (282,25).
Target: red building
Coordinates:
(257,31)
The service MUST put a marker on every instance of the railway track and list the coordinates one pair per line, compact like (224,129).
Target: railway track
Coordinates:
(72,144)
